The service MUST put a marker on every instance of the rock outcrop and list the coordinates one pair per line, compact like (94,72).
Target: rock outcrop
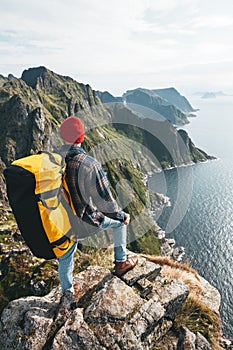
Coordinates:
(110,313)
(136,311)
(3,79)
(191,341)
(3,195)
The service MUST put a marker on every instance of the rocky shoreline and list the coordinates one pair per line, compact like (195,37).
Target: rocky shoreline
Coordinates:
(168,245)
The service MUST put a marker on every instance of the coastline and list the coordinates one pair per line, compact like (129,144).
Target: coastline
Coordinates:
(168,245)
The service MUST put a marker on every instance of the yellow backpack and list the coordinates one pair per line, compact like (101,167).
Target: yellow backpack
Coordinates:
(35,189)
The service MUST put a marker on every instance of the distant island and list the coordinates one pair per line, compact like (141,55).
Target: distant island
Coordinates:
(210,94)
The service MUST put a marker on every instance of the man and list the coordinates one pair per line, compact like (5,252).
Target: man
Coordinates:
(93,203)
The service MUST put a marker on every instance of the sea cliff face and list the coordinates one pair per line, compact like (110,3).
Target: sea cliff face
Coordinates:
(150,99)
(175,98)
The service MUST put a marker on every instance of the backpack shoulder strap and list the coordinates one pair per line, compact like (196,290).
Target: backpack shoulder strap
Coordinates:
(53,159)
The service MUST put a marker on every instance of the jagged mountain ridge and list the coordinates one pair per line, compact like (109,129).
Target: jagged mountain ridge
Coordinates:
(106,97)
(63,96)
(3,79)
(38,106)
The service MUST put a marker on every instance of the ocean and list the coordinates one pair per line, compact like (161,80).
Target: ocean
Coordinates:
(204,194)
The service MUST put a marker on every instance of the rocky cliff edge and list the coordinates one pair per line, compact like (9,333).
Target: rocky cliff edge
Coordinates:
(138,311)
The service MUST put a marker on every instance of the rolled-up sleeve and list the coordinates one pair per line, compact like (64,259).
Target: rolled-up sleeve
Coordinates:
(98,189)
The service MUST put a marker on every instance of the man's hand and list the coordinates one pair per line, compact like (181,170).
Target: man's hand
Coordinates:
(127,220)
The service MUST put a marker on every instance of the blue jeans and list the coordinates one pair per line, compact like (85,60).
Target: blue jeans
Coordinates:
(66,262)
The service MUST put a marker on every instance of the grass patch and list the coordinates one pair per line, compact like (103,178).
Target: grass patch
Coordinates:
(197,317)
(167,262)
(147,244)
(195,313)
(21,272)
(90,256)
(6,239)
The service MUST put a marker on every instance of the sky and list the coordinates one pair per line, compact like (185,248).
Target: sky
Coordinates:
(117,45)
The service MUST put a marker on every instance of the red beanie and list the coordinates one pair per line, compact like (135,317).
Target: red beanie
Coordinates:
(72,130)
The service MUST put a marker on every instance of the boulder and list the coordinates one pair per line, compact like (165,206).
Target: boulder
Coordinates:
(190,341)
(109,313)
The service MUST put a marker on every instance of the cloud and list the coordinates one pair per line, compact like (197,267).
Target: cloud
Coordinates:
(212,22)
(112,43)
(73,36)
(168,6)
(85,23)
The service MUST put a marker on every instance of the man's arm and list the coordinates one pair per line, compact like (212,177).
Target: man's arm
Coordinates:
(98,189)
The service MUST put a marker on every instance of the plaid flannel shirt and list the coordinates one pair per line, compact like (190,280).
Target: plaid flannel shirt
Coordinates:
(89,188)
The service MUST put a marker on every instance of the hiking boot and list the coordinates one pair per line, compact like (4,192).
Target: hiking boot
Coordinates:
(76,290)
(125,266)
